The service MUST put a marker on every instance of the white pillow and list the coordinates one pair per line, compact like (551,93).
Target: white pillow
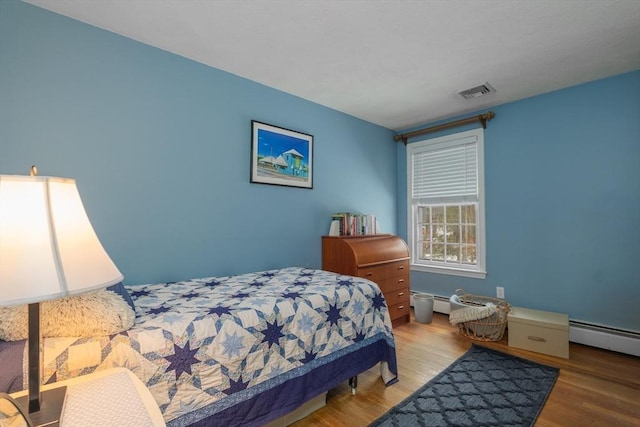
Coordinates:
(97,313)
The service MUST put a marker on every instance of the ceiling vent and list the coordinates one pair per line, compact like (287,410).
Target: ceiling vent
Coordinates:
(476,91)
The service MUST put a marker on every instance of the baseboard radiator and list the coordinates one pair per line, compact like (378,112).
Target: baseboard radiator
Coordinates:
(620,340)
(440,304)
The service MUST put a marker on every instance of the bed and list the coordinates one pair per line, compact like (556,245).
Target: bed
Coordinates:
(235,350)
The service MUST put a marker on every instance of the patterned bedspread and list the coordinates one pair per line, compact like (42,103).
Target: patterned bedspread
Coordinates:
(206,347)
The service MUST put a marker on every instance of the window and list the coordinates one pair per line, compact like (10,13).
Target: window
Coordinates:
(445,180)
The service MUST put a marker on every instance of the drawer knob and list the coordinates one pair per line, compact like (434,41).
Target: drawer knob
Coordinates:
(534,338)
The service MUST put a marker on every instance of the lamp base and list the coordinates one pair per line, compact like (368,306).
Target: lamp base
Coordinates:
(51,407)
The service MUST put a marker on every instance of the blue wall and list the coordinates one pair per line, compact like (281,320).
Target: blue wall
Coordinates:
(160,148)
(562,182)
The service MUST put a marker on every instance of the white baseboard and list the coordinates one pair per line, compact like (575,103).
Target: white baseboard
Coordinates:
(627,342)
(440,304)
(609,339)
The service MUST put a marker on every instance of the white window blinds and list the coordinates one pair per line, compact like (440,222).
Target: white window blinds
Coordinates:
(445,204)
(446,172)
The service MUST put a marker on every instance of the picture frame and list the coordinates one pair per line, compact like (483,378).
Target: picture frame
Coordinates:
(281,156)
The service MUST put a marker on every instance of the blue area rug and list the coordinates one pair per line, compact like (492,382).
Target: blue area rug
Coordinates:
(482,388)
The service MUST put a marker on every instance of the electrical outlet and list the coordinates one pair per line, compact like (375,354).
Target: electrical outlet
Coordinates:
(500,292)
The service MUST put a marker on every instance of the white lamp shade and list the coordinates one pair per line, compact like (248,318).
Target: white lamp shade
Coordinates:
(48,248)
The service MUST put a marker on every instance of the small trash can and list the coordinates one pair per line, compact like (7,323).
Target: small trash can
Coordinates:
(423,307)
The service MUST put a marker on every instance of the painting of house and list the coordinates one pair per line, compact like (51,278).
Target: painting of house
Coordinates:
(290,163)
(295,163)
(281,156)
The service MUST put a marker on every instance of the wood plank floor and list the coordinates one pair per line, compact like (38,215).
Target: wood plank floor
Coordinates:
(595,387)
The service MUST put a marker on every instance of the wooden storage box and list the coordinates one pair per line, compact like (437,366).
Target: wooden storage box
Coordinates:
(539,331)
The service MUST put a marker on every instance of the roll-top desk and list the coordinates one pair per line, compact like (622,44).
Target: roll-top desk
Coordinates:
(381,258)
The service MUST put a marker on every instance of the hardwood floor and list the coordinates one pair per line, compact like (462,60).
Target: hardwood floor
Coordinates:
(595,387)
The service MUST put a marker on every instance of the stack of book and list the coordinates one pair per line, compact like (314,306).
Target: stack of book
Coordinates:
(350,224)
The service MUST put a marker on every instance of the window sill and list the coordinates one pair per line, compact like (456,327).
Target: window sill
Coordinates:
(449,271)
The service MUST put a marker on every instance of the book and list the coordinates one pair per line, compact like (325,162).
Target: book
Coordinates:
(353,224)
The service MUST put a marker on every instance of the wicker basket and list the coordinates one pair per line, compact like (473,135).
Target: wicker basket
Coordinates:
(490,328)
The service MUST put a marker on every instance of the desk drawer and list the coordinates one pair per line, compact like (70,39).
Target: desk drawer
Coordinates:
(393,284)
(384,271)
(399,310)
(398,296)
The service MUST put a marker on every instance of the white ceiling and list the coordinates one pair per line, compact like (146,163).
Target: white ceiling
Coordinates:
(397,63)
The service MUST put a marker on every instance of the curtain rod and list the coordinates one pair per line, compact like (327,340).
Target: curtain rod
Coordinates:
(482,118)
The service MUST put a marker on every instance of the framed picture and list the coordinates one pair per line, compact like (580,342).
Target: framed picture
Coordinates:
(281,156)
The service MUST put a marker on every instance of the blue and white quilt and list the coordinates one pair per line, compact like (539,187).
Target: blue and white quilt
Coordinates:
(240,350)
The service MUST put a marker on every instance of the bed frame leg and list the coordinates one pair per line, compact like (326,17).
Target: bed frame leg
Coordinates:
(353,382)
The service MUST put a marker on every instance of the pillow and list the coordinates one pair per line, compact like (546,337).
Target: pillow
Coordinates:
(122,291)
(97,313)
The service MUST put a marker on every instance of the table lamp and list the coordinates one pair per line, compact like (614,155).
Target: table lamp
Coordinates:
(48,249)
